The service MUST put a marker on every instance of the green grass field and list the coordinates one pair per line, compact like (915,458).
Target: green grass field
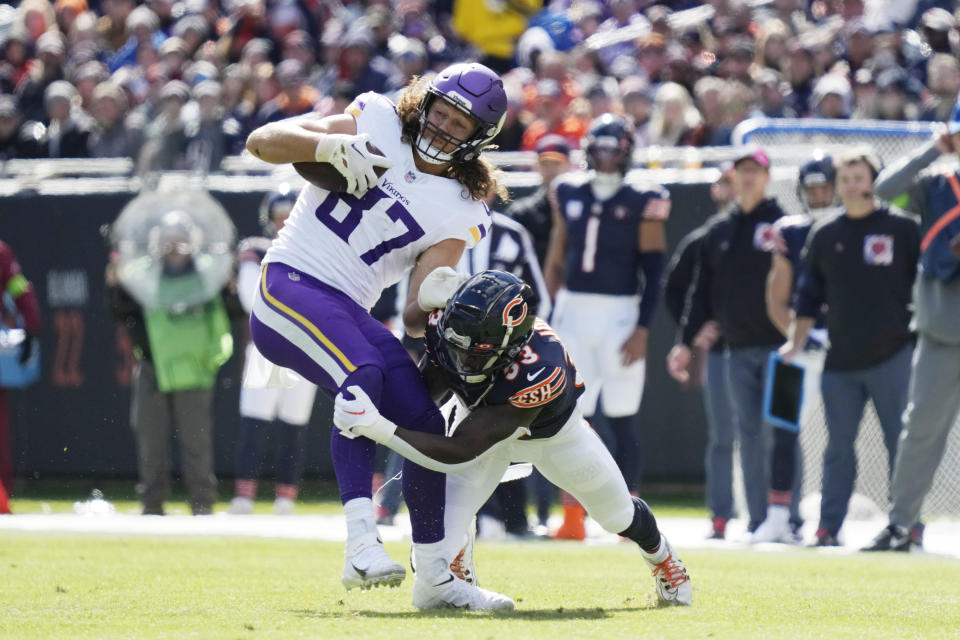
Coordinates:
(84,586)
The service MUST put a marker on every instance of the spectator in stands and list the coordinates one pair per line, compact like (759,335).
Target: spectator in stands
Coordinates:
(208,134)
(932,407)
(112,26)
(943,79)
(174,57)
(864,95)
(14,63)
(67,12)
(18,139)
(110,137)
(164,137)
(711,129)
(68,125)
(801,76)
(896,99)
(637,100)
(730,289)
(832,97)
(359,65)
(552,117)
(673,115)
(46,69)
(771,49)
(295,97)
(86,78)
(857,44)
(246,21)
(652,58)
(772,98)
(862,265)
(493,28)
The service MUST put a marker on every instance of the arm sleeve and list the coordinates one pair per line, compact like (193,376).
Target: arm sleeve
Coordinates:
(901,178)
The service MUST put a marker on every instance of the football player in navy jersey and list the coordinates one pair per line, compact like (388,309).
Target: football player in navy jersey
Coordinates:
(817,194)
(520,390)
(604,266)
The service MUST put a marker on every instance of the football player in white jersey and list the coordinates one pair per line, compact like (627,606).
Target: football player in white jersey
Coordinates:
(338,251)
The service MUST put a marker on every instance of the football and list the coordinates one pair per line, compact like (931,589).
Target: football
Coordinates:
(326,176)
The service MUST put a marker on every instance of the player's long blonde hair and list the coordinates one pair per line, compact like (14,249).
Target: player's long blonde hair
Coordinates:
(478,176)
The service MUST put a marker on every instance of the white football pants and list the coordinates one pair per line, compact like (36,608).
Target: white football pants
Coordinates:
(593,328)
(292,405)
(575,459)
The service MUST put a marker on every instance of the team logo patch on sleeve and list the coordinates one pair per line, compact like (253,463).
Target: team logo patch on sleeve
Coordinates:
(878,249)
(542,392)
(356,107)
(763,237)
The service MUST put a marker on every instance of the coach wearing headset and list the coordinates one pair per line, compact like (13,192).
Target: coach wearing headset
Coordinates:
(861,264)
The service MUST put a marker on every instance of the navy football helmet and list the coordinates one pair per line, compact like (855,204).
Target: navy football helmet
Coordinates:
(610,134)
(485,325)
(814,176)
(280,200)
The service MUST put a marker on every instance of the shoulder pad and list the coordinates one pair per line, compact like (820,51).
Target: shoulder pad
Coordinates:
(369,101)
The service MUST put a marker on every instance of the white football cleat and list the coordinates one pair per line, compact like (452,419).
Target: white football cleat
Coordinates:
(670,576)
(241,506)
(367,565)
(463,565)
(283,506)
(450,592)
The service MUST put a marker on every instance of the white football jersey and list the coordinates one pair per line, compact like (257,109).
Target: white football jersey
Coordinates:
(361,246)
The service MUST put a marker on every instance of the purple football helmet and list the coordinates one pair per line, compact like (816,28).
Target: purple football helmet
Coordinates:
(476,91)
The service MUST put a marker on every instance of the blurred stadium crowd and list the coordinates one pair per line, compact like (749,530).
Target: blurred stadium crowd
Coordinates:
(178,84)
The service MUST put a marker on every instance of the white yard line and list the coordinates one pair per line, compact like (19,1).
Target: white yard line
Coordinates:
(941,537)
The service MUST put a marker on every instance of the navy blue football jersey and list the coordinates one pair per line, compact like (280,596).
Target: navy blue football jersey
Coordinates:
(542,376)
(789,236)
(602,235)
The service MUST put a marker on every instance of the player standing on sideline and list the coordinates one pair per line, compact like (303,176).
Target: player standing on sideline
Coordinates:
(862,265)
(520,388)
(604,266)
(817,194)
(12,281)
(730,289)
(933,403)
(282,412)
(339,251)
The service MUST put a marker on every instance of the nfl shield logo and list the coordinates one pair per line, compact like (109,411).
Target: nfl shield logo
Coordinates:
(574,209)
(410,176)
(878,249)
(620,212)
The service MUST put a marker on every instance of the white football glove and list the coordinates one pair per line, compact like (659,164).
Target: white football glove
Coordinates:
(350,156)
(360,417)
(438,287)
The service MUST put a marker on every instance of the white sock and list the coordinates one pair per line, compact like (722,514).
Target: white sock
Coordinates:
(360,520)
(661,554)
(430,560)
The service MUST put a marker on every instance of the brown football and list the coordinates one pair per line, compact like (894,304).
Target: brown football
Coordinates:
(326,176)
